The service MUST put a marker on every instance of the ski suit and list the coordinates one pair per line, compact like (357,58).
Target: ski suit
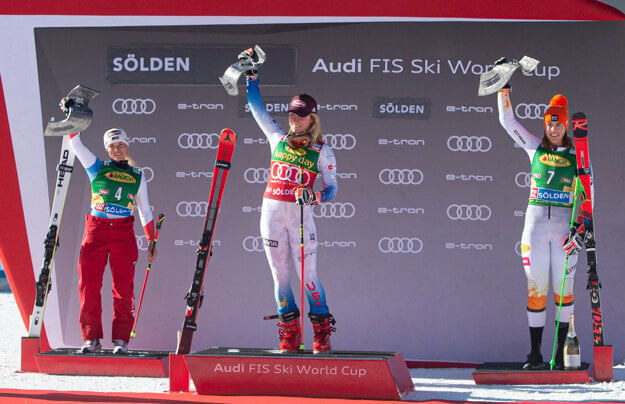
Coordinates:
(109,235)
(280,215)
(547,218)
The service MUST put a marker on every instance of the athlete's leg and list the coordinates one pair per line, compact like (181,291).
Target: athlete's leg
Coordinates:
(312,286)
(273,230)
(535,256)
(122,260)
(91,263)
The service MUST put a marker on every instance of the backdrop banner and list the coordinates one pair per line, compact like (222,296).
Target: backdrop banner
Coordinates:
(420,250)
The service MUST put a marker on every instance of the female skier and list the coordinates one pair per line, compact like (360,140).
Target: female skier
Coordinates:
(297,158)
(547,219)
(117,188)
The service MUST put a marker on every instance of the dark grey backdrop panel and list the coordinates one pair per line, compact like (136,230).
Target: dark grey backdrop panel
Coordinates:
(419,252)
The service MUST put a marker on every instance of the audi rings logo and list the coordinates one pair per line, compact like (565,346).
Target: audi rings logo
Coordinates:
(339,141)
(142,242)
(335,210)
(191,209)
(400,245)
(469,144)
(256,175)
(522,180)
(401,176)
(136,106)
(287,172)
(253,244)
(148,173)
(198,140)
(468,212)
(531,111)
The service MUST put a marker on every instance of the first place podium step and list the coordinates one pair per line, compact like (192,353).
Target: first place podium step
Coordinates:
(337,374)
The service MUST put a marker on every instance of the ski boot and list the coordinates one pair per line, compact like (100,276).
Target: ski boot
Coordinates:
(563,329)
(535,358)
(290,332)
(91,346)
(534,361)
(322,326)
(120,347)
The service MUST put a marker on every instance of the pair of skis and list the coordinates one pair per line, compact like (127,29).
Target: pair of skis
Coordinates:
(584,176)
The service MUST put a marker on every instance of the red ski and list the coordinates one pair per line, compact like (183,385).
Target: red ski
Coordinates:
(227,140)
(602,358)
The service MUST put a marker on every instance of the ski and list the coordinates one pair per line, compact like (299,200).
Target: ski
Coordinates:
(584,176)
(64,174)
(78,117)
(225,149)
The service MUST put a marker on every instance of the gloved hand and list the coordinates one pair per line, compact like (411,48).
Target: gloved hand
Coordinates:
(500,61)
(248,59)
(573,242)
(65,104)
(306,196)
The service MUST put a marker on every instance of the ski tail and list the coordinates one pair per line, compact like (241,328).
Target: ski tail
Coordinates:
(223,159)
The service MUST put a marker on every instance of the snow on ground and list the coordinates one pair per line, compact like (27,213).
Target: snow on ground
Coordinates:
(430,384)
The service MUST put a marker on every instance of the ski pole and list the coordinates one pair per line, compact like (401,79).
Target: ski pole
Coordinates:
(566,265)
(159,222)
(301,253)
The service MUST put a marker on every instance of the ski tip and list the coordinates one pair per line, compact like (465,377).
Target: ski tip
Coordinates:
(580,125)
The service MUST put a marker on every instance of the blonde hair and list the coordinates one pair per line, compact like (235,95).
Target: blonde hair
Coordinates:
(315,129)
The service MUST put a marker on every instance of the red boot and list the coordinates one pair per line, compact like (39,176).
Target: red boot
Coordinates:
(290,332)
(322,326)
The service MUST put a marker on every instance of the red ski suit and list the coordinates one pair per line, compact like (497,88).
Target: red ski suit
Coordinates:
(109,236)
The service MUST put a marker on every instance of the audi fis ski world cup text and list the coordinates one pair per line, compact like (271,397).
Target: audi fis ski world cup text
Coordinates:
(287,369)
(422,66)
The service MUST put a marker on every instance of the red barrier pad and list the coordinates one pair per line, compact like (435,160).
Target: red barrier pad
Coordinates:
(29,350)
(338,374)
(513,373)
(69,361)
(602,363)
(178,373)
